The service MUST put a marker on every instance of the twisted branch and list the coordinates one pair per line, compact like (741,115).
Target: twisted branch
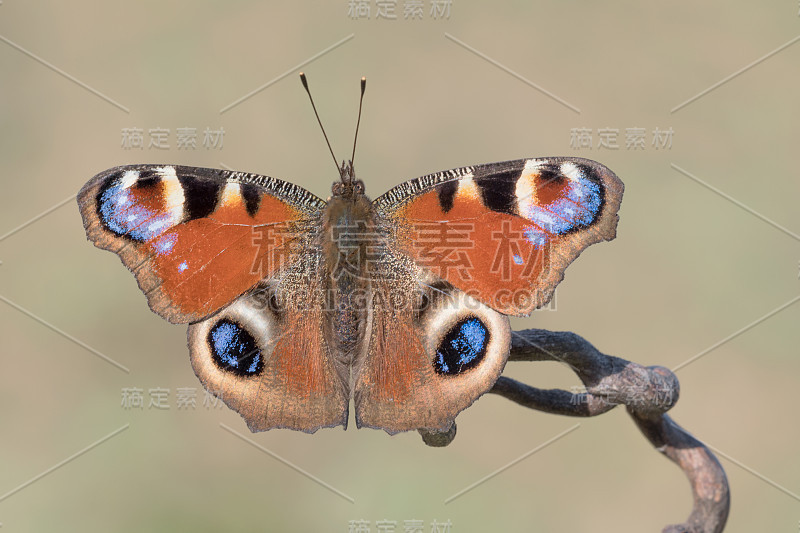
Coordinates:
(647,393)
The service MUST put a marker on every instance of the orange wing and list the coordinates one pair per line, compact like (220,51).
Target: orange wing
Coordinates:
(270,361)
(426,363)
(195,238)
(505,232)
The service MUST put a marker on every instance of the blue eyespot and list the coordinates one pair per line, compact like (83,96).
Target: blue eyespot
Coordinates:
(579,205)
(234,349)
(124,211)
(462,348)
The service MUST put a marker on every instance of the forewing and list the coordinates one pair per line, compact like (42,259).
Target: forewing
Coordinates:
(505,232)
(195,238)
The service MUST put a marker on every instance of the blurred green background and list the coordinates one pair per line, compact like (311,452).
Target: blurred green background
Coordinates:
(688,269)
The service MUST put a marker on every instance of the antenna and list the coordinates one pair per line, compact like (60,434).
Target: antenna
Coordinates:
(305,84)
(358,123)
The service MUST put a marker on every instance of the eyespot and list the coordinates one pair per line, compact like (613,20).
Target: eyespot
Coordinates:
(463,347)
(140,205)
(234,349)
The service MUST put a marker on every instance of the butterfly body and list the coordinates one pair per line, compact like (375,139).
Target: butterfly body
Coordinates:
(346,259)
(297,306)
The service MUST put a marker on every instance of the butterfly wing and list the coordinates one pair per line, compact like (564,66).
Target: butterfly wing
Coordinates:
(219,249)
(432,351)
(266,355)
(463,249)
(505,232)
(195,238)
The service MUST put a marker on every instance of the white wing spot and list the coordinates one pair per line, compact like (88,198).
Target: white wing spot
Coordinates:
(232,193)
(467,188)
(167,172)
(571,171)
(129,178)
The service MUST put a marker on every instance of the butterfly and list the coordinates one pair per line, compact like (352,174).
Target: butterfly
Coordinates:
(296,305)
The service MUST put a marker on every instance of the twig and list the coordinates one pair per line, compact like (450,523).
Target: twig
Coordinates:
(647,393)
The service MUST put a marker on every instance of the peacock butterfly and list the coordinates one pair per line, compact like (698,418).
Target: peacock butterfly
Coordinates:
(297,305)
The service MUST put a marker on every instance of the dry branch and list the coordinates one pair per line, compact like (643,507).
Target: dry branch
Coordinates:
(647,393)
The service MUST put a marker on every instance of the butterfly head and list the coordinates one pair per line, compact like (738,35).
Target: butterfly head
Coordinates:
(347,186)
